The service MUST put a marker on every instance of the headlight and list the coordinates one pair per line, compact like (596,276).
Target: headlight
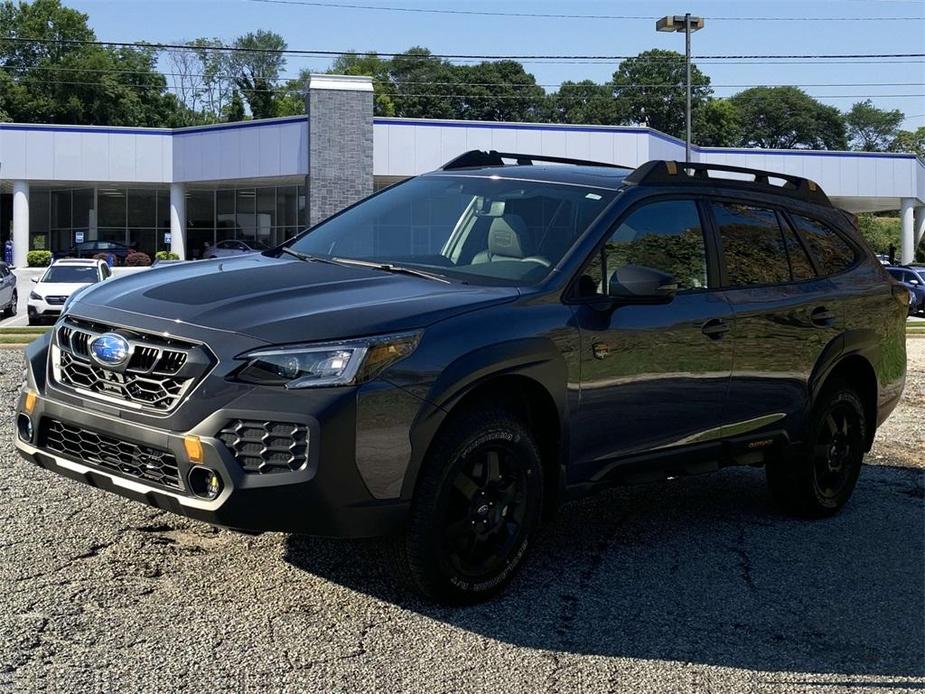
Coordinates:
(333,364)
(33,295)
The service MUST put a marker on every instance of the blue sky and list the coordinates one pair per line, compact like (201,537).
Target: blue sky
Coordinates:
(342,29)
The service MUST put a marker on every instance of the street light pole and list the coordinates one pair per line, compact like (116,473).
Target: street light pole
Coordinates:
(688,25)
(687,60)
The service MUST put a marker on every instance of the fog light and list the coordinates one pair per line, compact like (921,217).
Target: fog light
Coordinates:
(24,427)
(204,483)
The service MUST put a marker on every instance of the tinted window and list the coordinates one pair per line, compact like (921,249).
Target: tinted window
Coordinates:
(488,230)
(68,274)
(830,251)
(666,236)
(800,266)
(753,245)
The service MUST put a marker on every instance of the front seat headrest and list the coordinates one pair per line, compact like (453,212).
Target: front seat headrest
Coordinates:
(507,236)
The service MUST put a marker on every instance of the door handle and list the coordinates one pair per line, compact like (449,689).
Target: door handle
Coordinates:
(822,317)
(715,328)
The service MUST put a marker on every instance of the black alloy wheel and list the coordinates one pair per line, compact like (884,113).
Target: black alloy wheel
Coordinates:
(476,505)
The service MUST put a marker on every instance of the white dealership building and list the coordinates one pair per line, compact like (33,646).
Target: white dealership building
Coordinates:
(187,189)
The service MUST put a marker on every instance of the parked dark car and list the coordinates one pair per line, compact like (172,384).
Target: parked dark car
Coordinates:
(914,280)
(9,297)
(89,249)
(447,361)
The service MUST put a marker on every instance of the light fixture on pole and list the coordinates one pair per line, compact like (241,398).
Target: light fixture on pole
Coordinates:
(688,25)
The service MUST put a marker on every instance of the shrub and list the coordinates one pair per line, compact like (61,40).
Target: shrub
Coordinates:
(137,259)
(38,258)
(166,255)
(102,256)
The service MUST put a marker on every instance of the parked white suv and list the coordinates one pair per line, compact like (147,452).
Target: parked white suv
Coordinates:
(62,279)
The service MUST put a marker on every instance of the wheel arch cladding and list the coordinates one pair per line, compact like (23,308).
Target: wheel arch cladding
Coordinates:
(859,374)
(532,386)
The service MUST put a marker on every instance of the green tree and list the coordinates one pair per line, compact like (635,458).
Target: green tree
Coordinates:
(788,118)
(234,111)
(498,91)
(650,90)
(717,123)
(256,64)
(370,65)
(582,102)
(872,129)
(910,141)
(424,86)
(65,81)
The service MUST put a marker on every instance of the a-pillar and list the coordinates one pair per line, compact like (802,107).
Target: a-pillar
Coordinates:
(20,222)
(178,219)
(907,230)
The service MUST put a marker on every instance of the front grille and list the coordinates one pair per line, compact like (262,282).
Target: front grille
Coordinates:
(262,447)
(55,300)
(131,459)
(158,374)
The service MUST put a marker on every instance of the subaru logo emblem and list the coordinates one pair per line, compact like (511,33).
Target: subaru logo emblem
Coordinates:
(110,349)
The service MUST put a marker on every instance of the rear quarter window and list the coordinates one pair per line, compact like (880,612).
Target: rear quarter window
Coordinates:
(830,251)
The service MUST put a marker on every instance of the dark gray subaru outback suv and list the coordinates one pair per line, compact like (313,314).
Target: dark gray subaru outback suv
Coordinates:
(447,361)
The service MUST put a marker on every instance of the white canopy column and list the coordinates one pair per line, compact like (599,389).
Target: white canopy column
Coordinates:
(907,231)
(20,222)
(178,219)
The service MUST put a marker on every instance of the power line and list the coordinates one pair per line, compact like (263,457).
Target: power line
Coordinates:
(457,56)
(228,76)
(544,15)
(407,95)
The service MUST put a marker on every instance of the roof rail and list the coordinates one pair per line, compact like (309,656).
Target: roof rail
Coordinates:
(658,172)
(478,158)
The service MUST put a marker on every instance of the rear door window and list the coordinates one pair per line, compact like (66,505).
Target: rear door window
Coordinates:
(830,251)
(753,245)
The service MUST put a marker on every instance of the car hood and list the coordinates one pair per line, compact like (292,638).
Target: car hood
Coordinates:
(280,300)
(58,288)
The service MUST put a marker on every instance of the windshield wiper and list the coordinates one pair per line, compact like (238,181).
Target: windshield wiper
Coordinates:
(308,258)
(389,267)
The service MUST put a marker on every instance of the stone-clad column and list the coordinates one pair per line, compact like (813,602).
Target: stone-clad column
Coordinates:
(340,143)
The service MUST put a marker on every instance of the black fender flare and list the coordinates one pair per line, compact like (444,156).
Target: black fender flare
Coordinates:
(535,358)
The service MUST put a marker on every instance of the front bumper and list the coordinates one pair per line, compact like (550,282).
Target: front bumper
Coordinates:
(42,309)
(328,499)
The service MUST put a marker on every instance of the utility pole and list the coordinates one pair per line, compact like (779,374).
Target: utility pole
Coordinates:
(688,25)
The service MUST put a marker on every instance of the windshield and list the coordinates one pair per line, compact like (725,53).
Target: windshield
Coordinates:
(71,274)
(485,230)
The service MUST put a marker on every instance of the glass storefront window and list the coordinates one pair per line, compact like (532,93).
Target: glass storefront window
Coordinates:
(84,215)
(60,209)
(142,208)
(245,213)
(111,203)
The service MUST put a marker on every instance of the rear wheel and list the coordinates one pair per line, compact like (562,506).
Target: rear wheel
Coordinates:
(820,480)
(475,509)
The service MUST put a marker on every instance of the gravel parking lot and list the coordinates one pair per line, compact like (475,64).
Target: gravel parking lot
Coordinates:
(694,585)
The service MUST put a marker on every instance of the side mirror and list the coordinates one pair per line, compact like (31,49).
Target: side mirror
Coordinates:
(35,280)
(641,282)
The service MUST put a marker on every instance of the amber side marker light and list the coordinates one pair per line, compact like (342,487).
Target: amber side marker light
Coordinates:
(29,404)
(193,447)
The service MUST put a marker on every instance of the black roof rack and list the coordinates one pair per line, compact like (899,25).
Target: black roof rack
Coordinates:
(479,158)
(664,172)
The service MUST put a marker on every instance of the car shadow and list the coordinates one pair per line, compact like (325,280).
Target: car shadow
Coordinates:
(702,570)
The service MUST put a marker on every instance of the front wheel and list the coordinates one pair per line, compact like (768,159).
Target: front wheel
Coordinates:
(476,506)
(819,481)
(10,310)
